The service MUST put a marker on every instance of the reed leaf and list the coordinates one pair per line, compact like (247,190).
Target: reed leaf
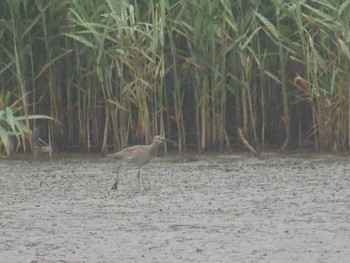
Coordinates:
(210,74)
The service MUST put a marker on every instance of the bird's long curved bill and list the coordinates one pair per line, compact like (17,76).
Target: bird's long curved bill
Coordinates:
(171,142)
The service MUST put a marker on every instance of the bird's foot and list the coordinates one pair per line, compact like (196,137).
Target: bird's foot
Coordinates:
(115,186)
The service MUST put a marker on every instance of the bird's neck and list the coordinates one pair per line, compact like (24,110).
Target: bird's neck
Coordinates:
(153,147)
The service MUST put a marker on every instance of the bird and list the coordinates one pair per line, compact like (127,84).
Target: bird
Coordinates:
(138,155)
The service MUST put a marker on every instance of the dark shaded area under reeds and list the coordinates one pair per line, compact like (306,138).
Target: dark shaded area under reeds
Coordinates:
(209,74)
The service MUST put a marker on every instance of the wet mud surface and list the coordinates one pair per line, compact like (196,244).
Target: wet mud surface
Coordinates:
(210,208)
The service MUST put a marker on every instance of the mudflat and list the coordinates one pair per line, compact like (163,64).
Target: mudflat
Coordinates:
(205,208)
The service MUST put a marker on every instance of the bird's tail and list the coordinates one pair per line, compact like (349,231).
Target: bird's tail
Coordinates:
(113,155)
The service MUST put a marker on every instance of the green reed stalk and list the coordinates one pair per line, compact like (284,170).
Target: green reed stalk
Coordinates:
(118,72)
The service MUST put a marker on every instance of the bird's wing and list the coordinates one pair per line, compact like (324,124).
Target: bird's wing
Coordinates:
(129,153)
(132,152)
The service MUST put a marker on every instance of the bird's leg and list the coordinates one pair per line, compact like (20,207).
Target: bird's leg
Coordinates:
(115,186)
(139,179)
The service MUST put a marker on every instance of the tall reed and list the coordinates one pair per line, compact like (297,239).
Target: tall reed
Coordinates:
(211,74)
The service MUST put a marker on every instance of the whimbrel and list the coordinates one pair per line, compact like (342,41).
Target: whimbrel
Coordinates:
(138,155)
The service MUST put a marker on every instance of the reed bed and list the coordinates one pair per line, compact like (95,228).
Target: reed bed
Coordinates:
(209,74)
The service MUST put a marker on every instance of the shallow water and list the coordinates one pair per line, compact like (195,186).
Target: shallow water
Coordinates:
(211,208)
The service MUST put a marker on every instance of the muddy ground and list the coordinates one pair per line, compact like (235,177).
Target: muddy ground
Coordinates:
(209,208)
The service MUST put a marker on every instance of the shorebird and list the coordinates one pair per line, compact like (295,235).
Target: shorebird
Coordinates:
(138,155)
